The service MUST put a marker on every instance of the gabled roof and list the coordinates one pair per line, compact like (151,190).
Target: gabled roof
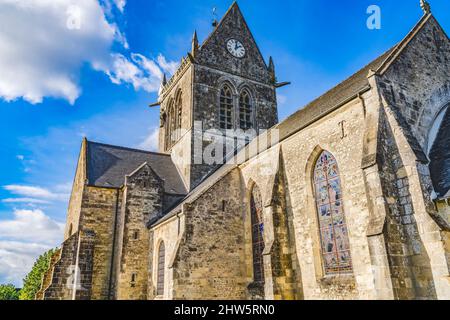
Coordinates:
(331,100)
(234,6)
(348,89)
(108,165)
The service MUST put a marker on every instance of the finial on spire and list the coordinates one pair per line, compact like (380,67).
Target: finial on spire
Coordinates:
(163,84)
(215,23)
(271,69)
(425,6)
(194,44)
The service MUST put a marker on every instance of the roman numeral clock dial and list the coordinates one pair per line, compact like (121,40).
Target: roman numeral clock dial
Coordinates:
(236,48)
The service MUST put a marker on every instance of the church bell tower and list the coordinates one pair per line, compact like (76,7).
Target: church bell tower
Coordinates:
(221,86)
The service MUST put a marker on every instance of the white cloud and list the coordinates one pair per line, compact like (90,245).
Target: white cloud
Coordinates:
(120,4)
(35,192)
(109,4)
(17,259)
(25,200)
(151,141)
(281,99)
(32,226)
(168,67)
(23,239)
(40,54)
(44,43)
(141,72)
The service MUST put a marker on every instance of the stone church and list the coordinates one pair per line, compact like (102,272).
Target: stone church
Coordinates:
(348,198)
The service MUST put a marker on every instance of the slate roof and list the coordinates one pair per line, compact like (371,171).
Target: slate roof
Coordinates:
(326,103)
(440,159)
(331,100)
(108,165)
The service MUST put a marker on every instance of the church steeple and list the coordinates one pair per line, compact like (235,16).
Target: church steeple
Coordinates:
(194,44)
(271,69)
(163,84)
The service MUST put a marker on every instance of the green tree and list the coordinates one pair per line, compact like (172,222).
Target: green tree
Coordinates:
(8,292)
(32,282)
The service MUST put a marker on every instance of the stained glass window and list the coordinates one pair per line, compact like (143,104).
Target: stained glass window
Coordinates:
(179,110)
(245,111)
(161,268)
(333,229)
(170,123)
(226,108)
(257,234)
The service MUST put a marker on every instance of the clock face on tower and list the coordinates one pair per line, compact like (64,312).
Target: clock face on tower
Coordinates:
(236,48)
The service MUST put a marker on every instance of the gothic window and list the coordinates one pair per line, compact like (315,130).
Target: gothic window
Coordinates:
(333,229)
(245,111)
(161,268)
(439,153)
(170,125)
(226,108)
(178,110)
(257,234)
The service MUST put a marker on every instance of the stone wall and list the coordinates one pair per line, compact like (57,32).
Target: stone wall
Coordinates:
(73,213)
(284,265)
(209,263)
(47,277)
(144,195)
(72,273)
(414,89)
(99,211)
(417,83)
(299,154)
(409,263)
(170,233)
(60,287)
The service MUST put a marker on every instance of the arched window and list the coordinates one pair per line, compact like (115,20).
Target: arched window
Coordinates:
(439,153)
(170,124)
(161,269)
(333,229)
(257,234)
(226,108)
(245,111)
(179,111)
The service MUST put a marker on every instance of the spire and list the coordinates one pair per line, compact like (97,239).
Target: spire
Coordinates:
(425,6)
(271,69)
(163,84)
(194,44)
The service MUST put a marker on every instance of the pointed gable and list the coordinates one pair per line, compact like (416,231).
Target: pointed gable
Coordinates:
(213,53)
(413,80)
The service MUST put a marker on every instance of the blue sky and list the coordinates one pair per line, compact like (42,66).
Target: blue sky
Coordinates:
(63,78)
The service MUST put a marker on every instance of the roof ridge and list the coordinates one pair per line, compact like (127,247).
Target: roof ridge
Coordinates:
(234,5)
(218,25)
(127,148)
(403,44)
(342,82)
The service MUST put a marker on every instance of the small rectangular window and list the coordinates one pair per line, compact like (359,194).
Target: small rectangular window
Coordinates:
(136,235)
(133,280)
